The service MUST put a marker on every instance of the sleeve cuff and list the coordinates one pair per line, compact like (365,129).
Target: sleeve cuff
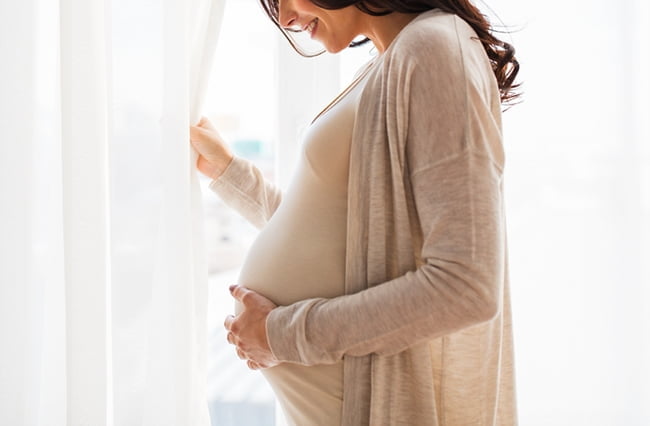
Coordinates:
(291,341)
(234,173)
(280,339)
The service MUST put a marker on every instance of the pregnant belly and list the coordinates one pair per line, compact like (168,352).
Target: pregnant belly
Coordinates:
(298,257)
(294,259)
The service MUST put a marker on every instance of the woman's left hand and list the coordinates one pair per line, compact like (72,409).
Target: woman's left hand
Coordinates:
(247,331)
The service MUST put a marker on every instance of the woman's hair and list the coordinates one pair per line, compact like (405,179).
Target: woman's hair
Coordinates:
(501,54)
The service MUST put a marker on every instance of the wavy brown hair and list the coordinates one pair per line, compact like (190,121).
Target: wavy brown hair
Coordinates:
(501,54)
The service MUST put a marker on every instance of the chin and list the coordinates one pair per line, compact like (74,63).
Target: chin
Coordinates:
(334,48)
(331,50)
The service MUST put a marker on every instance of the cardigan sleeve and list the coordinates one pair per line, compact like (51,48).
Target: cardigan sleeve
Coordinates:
(454,162)
(458,284)
(243,187)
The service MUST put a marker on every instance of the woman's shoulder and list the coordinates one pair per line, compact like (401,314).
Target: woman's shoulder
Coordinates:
(433,35)
(439,49)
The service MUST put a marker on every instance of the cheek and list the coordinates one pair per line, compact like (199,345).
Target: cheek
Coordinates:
(342,39)
(345,27)
(304,5)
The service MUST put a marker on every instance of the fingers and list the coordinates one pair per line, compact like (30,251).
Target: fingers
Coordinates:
(247,330)
(241,354)
(203,130)
(228,322)
(197,134)
(242,294)
(194,133)
(230,337)
(205,123)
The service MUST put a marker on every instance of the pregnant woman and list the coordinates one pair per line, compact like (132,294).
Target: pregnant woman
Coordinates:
(377,290)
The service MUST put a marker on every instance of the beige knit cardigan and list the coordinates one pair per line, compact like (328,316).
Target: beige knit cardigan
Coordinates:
(424,327)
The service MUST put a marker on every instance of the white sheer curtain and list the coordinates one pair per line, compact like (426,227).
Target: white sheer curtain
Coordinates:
(102,272)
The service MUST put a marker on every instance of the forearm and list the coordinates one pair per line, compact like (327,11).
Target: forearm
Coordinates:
(424,304)
(457,284)
(243,187)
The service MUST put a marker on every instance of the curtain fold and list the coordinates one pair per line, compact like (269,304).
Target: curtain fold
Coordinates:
(103,285)
(32,357)
(84,118)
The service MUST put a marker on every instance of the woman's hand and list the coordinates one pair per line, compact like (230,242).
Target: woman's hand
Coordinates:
(214,154)
(247,331)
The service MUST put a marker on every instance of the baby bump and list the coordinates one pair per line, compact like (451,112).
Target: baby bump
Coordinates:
(297,256)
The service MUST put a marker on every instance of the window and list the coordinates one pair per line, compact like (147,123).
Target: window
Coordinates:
(261,97)
(240,102)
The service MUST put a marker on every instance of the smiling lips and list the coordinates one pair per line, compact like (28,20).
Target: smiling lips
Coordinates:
(311,27)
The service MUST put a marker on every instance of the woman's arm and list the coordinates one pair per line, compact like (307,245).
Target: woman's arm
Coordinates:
(442,92)
(237,181)
(458,284)
(442,116)
(243,187)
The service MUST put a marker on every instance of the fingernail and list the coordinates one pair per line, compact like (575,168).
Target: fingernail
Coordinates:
(232,287)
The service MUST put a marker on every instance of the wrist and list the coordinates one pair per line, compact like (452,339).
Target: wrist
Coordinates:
(221,168)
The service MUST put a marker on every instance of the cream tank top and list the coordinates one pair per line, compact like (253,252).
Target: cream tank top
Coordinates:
(300,254)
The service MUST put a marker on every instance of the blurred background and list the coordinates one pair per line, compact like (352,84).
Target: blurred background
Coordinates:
(577,196)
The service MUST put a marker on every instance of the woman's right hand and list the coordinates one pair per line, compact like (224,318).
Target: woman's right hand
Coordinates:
(214,154)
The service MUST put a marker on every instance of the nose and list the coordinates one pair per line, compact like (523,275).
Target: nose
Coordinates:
(287,15)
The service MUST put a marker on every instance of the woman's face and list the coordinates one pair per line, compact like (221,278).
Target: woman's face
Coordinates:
(334,28)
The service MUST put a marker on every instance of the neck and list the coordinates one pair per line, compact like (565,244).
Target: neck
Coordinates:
(382,30)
